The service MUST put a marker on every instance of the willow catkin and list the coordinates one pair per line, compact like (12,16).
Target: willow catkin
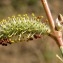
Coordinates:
(21,28)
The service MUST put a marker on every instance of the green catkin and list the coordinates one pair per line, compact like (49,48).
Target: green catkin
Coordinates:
(22,27)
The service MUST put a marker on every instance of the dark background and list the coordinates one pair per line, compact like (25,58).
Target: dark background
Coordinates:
(42,50)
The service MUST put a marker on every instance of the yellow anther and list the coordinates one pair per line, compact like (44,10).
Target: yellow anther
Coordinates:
(42,16)
(38,20)
(26,15)
(19,15)
(13,16)
(12,41)
(4,20)
(10,36)
(19,38)
(9,18)
(33,14)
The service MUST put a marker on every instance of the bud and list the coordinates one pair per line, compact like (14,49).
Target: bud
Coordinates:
(58,22)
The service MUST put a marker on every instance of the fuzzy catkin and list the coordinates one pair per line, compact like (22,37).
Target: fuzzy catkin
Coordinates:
(22,27)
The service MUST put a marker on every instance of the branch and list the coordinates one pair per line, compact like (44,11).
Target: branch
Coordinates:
(48,13)
(57,35)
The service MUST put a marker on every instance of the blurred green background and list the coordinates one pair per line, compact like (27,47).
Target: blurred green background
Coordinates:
(42,50)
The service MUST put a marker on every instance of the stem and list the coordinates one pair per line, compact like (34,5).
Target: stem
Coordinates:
(57,35)
(48,13)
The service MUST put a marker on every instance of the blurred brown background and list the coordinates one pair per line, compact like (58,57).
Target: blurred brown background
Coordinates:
(42,50)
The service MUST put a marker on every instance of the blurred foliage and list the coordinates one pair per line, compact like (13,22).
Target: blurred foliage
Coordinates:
(32,2)
(24,2)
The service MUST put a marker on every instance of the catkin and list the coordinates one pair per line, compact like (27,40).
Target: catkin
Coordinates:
(22,28)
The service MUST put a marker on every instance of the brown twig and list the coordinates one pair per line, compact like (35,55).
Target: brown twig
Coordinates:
(57,35)
(48,13)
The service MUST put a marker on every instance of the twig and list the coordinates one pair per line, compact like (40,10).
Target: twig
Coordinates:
(56,34)
(48,13)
